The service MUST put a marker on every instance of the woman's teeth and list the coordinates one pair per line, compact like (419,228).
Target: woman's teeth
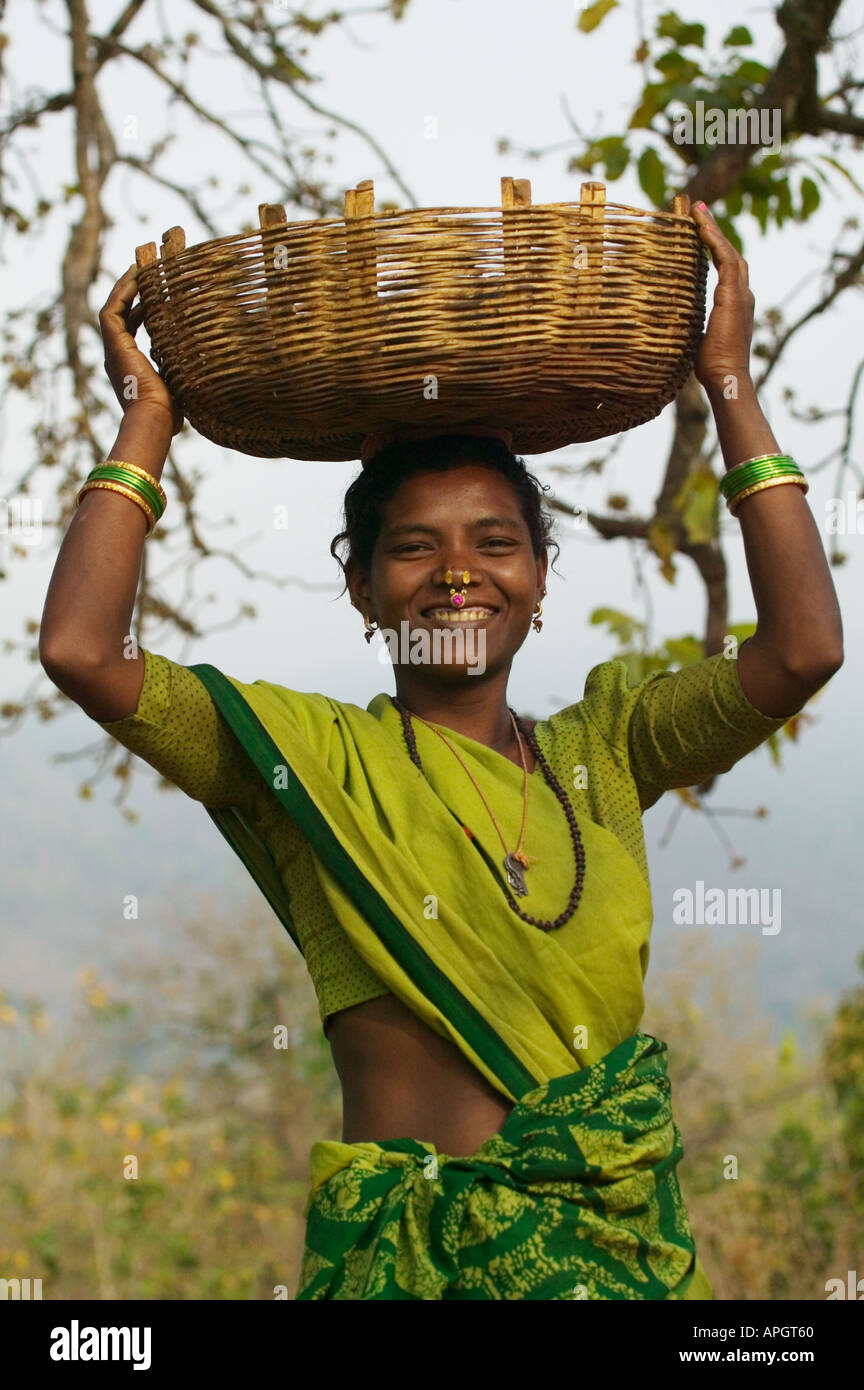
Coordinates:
(461,615)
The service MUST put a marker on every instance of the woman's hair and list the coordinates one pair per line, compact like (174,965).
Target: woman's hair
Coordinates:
(383,475)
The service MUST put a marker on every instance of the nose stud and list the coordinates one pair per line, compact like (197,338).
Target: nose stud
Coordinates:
(458,599)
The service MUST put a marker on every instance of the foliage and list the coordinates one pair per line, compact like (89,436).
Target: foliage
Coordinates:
(186,1079)
(175,1068)
(775,1200)
(685,69)
(844,1062)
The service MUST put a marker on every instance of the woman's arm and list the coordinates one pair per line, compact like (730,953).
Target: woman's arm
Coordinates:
(798,643)
(88,610)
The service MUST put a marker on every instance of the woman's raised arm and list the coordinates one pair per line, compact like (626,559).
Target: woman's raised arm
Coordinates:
(83,638)
(798,642)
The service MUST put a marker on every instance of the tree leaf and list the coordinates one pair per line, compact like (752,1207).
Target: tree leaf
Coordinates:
(594,15)
(684,651)
(616,162)
(697,503)
(652,176)
(611,151)
(671,26)
(734,201)
(759,209)
(620,624)
(676,68)
(653,99)
(784,207)
(661,540)
(751,74)
(738,37)
(810,198)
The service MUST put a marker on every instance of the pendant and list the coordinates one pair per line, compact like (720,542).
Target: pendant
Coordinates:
(516,876)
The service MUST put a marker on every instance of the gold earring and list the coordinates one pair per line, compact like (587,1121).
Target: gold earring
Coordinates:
(536,623)
(370,630)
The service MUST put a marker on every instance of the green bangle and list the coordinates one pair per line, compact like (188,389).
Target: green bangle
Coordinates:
(779,461)
(757,472)
(760,458)
(764,461)
(744,475)
(129,474)
(117,474)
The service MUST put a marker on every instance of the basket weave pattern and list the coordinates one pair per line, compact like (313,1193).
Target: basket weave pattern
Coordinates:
(562,322)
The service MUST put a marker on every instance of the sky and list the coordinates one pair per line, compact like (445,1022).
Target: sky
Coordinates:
(485,71)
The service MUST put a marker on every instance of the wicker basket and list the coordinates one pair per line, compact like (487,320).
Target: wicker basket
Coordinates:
(561,322)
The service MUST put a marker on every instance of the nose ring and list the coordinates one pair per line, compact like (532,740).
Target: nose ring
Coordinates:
(458,599)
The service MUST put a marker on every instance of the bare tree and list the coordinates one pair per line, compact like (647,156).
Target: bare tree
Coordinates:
(52,345)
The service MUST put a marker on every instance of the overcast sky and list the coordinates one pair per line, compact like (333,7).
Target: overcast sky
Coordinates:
(485,70)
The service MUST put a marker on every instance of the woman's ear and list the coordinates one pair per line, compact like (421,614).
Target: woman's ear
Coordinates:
(542,568)
(358,586)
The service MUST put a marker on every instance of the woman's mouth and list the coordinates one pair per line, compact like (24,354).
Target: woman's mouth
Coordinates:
(478,613)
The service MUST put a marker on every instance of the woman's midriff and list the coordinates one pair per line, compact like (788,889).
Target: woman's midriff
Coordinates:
(402,1080)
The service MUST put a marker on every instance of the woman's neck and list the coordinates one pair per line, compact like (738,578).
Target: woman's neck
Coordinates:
(477,708)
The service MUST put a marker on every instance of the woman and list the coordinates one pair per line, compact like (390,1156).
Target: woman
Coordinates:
(470,893)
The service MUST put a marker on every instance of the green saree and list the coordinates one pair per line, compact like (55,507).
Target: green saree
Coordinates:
(577,1195)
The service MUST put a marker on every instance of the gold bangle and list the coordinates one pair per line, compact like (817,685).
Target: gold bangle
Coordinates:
(124,492)
(758,487)
(133,468)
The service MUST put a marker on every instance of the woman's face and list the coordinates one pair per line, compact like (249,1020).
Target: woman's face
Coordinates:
(467,518)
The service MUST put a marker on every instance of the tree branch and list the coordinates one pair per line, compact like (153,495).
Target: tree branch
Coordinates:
(791,89)
(843,279)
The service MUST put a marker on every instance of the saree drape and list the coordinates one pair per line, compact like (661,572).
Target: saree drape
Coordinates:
(577,1195)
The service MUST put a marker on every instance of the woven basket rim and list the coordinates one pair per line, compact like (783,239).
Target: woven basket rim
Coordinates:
(573,205)
(310,391)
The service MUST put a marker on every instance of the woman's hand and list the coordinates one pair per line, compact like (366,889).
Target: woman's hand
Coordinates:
(134,379)
(725,348)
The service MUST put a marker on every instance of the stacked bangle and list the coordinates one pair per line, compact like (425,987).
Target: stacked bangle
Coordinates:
(130,481)
(768,470)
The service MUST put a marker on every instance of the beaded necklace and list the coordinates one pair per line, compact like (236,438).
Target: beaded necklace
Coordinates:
(515,863)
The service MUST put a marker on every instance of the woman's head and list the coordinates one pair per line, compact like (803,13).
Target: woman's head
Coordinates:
(453,502)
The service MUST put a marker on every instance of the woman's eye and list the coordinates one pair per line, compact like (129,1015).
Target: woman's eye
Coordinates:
(411,547)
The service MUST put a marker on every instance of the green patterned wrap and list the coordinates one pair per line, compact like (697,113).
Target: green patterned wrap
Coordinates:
(576,1196)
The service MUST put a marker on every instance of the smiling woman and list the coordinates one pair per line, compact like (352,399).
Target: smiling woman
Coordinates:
(475,918)
(428,516)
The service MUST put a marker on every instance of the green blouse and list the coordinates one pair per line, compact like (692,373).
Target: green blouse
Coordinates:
(615,752)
